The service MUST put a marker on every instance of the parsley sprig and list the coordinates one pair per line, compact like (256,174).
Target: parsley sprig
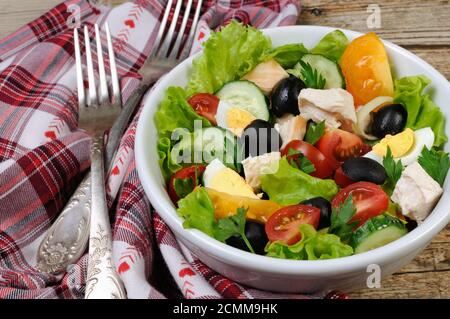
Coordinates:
(314,132)
(312,78)
(300,161)
(340,217)
(435,163)
(184,186)
(232,226)
(393,169)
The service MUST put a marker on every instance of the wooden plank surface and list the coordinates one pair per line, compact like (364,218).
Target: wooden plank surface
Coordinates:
(407,22)
(422,27)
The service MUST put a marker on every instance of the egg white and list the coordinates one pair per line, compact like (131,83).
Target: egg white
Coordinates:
(422,137)
(212,169)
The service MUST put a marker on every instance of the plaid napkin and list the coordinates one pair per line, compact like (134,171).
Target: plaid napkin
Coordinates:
(43,156)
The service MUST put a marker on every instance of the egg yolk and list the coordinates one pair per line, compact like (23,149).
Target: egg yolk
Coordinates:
(399,144)
(228,181)
(238,120)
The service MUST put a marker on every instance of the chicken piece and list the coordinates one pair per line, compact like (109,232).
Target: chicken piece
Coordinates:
(266,75)
(334,106)
(291,127)
(416,192)
(254,167)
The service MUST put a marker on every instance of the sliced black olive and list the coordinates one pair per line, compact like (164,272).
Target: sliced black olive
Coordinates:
(391,119)
(256,235)
(325,210)
(364,169)
(259,138)
(284,98)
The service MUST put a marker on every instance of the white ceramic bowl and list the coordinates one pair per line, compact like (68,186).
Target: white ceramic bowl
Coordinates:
(281,275)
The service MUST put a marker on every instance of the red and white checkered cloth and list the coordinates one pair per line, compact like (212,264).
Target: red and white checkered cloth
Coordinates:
(43,156)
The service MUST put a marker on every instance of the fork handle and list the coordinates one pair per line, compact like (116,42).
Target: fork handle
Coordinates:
(67,239)
(102,282)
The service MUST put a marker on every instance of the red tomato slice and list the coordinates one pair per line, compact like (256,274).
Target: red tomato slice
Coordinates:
(205,104)
(341,179)
(327,144)
(324,168)
(194,172)
(283,224)
(340,145)
(369,199)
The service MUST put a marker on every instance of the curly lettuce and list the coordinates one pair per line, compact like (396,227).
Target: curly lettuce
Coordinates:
(197,209)
(288,55)
(289,185)
(312,246)
(332,45)
(168,165)
(422,111)
(175,112)
(227,56)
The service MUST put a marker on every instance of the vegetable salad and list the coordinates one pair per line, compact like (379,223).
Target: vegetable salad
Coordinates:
(301,153)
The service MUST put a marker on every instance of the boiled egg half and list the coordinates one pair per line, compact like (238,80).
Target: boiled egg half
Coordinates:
(405,146)
(233,118)
(223,179)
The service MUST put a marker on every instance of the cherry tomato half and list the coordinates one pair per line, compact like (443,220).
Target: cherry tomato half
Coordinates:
(194,172)
(205,104)
(369,199)
(339,145)
(341,178)
(322,165)
(283,224)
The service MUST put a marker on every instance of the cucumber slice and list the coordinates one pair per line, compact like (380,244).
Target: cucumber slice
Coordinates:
(329,70)
(376,232)
(247,96)
(206,144)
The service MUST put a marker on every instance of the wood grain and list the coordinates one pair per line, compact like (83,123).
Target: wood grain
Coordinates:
(410,285)
(406,22)
(437,57)
(423,27)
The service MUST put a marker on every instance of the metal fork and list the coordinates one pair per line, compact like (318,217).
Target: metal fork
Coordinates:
(168,51)
(67,238)
(97,113)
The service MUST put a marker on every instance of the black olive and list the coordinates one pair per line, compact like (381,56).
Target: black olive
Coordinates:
(364,169)
(411,224)
(284,98)
(325,210)
(259,138)
(256,235)
(391,119)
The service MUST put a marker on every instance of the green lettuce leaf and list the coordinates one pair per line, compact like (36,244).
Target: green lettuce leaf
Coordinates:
(197,210)
(332,45)
(290,185)
(175,112)
(422,111)
(288,55)
(167,164)
(312,246)
(227,56)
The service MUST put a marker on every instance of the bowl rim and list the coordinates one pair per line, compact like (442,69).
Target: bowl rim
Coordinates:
(414,240)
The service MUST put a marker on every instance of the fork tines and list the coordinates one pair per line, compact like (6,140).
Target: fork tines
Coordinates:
(162,45)
(97,94)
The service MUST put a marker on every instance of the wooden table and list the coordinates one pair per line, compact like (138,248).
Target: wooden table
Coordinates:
(422,27)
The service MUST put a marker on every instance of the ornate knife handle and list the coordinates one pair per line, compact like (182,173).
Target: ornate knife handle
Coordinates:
(102,281)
